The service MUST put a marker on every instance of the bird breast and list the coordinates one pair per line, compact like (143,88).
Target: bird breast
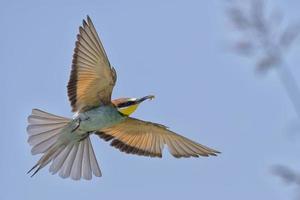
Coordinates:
(98,118)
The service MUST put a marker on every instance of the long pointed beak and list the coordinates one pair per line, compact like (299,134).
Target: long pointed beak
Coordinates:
(150,97)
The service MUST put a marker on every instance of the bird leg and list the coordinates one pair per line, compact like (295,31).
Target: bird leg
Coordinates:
(77,125)
(79,120)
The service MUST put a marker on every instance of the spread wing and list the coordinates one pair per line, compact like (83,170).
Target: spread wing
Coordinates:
(146,138)
(92,78)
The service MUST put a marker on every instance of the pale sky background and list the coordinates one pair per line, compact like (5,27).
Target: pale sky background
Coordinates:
(177,50)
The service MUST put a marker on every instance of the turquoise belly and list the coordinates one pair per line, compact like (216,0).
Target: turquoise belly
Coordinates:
(98,118)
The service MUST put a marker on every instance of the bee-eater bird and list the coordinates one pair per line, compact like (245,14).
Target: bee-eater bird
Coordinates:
(65,143)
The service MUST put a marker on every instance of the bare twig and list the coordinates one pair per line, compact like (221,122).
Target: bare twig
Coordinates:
(265,41)
(286,174)
(290,85)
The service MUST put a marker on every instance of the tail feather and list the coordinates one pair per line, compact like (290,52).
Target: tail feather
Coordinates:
(60,159)
(46,115)
(76,160)
(86,164)
(77,164)
(34,140)
(44,129)
(67,166)
(44,145)
(36,129)
(45,159)
(94,164)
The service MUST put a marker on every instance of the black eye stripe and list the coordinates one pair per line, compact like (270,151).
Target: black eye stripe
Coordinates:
(125,104)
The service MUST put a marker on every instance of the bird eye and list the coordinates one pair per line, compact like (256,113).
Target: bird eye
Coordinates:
(126,104)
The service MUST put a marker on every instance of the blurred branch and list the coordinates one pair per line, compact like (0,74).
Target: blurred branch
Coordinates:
(286,174)
(264,40)
(291,87)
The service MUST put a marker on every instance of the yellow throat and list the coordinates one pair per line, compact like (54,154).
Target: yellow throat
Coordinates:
(128,110)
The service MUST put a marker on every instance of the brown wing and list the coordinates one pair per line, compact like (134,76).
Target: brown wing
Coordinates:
(92,78)
(146,138)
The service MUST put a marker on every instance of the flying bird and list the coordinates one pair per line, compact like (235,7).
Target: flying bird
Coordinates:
(65,142)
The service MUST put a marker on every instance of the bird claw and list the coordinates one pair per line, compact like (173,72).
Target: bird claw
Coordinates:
(77,126)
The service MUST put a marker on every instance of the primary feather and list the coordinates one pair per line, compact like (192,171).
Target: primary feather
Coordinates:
(92,78)
(146,138)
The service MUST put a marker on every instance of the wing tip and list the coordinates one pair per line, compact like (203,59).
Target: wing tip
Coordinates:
(89,20)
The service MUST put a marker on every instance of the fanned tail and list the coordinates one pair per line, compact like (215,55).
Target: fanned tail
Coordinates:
(72,159)
(43,130)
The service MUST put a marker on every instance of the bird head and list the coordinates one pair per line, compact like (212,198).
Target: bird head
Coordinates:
(128,105)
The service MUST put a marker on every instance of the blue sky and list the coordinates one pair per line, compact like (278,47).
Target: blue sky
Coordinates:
(177,50)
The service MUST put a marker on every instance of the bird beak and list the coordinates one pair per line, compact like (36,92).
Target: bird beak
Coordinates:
(150,97)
